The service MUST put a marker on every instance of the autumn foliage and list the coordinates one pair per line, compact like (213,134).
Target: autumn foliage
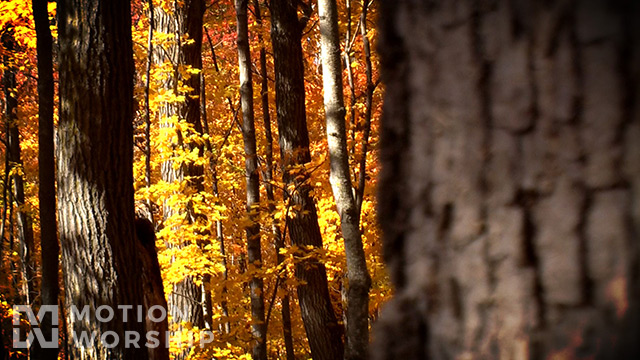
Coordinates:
(208,245)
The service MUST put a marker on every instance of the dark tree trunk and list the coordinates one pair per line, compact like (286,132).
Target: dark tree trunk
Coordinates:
(254,252)
(147,107)
(207,307)
(323,330)
(152,286)
(185,20)
(49,248)
(95,171)
(24,219)
(368,109)
(14,160)
(510,191)
(268,181)
(3,221)
(213,163)
(359,282)
(348,47)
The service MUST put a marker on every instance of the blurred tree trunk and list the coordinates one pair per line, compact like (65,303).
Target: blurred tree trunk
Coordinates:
(49,248)
(510,191)
(184,20)
(359,282)
(323,330)
(254,252)
(95,177)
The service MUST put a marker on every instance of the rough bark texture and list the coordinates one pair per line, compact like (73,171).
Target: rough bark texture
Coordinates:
(254,252)
(323,330)
(49,284)
(510,191)
(357,326)
(152,286)
(95,171)
(185,20)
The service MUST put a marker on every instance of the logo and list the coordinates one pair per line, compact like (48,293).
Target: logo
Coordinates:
(35,332)
(103,314)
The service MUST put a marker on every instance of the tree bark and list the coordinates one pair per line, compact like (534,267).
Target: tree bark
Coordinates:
(359,282)
(95,177)
(152,286)
(49,248)
(254,252)
(509,196)
(323,330)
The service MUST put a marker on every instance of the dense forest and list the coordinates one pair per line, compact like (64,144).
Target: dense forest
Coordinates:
(229,139)
(330,179)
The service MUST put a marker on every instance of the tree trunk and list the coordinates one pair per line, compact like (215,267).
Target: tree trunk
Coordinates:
(510,190)
(147,107)
(368,109)
(95,177)
(24,220)
(357,327)
(152,286)
(348,47)
(207,306)
(213,163)
(49,248)
(268,181)
(185,20)
(5,202)
(254,252)
(323,330)
(225,272)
